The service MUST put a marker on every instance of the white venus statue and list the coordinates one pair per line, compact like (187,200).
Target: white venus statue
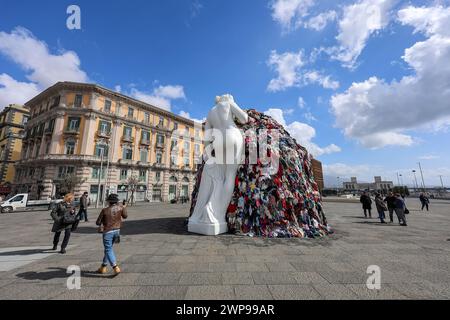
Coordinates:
(219,172)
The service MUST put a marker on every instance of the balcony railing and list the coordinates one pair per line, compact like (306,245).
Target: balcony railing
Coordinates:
(48,131)
(74,131)
(145,142)
(128,139)
(160,145)
(103,134)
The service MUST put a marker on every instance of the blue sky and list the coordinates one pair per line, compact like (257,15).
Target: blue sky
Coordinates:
(361,83)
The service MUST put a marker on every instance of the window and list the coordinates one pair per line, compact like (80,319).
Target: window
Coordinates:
(73,124)
(2,152)
(197,148)
(101,148)
(175,126)
(78,101)
(69,147)
(107,107)
(197,133)
(130,112)
(142,175)
(17,198)
(158,176)
(25,119)
(144,155)
(159,158)
(145,136)
(36,150)
(147,117)
(104,127)
(96,173)
(161,121)
(63,171)
(56,101)
(51,125)
(160,139)
(127,153)
(187,147)
(173,159)
(127,132)
(123,174)
(186,161)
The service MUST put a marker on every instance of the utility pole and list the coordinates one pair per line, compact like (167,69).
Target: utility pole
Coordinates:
(421,174)
(401,179)
(398,179)
(99,177)
(442,183)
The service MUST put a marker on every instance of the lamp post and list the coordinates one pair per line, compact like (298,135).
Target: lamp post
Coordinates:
(337,189)
(416,186)
(99,178)
(398,179)
(401,179)
(421,174)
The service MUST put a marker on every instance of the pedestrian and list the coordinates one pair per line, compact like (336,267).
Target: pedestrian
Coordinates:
(366,204)
(400,209)
(110,222)
(390,201)
(425,201)
(85,202)
(381,207)
(64,218)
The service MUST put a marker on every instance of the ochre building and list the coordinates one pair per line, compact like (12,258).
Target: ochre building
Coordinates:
(100,135)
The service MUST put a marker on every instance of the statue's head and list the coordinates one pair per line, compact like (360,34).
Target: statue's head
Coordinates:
(225,98)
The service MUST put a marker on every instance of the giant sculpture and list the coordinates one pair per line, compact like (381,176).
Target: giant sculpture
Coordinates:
(224,145)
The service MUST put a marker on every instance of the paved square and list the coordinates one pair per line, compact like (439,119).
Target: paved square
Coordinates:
(160,260)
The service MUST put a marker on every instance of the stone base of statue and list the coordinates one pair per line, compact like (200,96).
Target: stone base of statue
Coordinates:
(212,229)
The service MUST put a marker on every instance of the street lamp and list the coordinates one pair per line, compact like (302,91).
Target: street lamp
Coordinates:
(421,174)
(416,186)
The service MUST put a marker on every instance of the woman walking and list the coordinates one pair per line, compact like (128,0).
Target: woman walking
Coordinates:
(109,222)
(64,218)
(366,204)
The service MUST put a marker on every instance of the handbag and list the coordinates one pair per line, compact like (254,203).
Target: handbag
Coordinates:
(406,211)
(69,216)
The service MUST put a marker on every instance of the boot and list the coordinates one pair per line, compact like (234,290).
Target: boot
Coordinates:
(63,251)
(55,246)
(116,270)
(102,270)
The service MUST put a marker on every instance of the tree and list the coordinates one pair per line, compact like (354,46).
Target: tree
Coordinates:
(132,182)
(70,182)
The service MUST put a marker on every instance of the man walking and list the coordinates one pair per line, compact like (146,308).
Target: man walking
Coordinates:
(366,204)
(390,201)
(84,204)
(424,200)
(400,209)
(381,207)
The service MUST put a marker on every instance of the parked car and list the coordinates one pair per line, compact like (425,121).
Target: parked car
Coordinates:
(22,202)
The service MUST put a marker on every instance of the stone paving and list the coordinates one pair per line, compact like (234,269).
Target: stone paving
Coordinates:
(160,260)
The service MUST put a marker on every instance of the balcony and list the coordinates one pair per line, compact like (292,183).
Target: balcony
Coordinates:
(128,139)
(72,131)
(104,134)
(160,145)
(145,142)
(126,161)
(48,131)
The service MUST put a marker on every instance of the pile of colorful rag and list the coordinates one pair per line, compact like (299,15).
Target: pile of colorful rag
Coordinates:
(281,204)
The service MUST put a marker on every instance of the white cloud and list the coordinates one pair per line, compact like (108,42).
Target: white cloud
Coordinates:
(43,68)
(377,113)
(358,23)
(161,96)
(290,13)
(287,66)
(12,91)
(303,133)
(289,74)
(320,21)
(301,103)
(429,157)
(316,77)
(309,117)
(118,88)
(188,116)
(344,170)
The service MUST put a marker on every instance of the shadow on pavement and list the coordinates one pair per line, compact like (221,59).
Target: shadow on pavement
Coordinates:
(26,252)
(136,227)
(61,273)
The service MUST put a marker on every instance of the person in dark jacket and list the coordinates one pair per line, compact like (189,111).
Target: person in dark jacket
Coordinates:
(59,212)
(366,204)
(110,222)
(400,207)
(381,207)
(424,200)
(390,201)
(84,204)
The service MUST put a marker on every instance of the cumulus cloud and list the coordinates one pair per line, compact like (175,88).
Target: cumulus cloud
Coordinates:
(303,133)
(43,68)
(301,103)
(378,113)
(188,116)
(359,21)
(290,13)
(320,21)
(288,67)
(161,96)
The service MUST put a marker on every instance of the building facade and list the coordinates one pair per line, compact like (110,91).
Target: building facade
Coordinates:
(13,119)
(110,141)
(378,185)
(318,173)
